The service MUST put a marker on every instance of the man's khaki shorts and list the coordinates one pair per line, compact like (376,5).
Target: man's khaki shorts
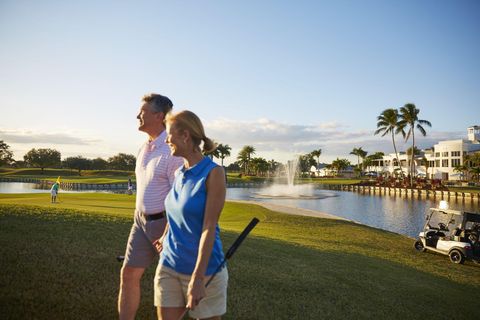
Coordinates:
(171,291)
(140,251)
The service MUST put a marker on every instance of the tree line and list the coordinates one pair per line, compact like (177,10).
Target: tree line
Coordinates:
(50,158)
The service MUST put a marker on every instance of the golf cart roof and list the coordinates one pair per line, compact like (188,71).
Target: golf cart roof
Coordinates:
(447,211)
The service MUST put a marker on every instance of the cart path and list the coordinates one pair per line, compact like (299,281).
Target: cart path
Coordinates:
(293,210)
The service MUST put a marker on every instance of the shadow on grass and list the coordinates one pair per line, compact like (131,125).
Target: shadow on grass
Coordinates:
(57,264)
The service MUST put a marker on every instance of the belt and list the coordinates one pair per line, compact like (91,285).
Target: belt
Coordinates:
(155,216)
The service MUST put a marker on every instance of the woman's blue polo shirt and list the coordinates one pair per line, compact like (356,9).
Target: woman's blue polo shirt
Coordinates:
(185,206)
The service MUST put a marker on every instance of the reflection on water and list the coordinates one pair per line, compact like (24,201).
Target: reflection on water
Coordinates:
(305,191)
(393,213)
(20,187)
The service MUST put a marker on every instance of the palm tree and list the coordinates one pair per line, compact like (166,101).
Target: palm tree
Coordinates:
(475,172)
(273,165)
(340,164)
(472,160)
(317,153)
(360,153)
(424,161)
(260,166)
(213,154)
(244,157)
(223,151)
(462,169)
(409,118)
(387,122)
(472,163)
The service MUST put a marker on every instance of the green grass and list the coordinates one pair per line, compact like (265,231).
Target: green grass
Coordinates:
(331,180)
(464,189)
(58,263)
(105,203)
(88,176)
(234,178)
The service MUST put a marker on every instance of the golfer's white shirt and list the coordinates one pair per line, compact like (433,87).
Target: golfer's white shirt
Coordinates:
(155,172)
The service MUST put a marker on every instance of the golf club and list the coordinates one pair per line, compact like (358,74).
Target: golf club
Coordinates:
(229,253)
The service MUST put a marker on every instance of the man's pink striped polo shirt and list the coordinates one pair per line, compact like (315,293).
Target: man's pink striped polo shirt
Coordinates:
(155,172)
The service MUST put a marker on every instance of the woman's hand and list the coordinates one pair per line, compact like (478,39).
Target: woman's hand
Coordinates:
(196,292)
(158,244)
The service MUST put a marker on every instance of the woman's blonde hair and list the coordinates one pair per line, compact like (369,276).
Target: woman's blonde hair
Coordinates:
(187,120)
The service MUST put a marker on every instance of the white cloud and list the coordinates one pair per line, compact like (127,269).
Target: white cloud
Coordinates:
(283,141)
(30,137)
(69,143)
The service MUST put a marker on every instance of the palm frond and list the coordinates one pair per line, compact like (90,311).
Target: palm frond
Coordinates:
(422,130)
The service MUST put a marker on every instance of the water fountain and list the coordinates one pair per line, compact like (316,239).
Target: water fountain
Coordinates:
(292,191)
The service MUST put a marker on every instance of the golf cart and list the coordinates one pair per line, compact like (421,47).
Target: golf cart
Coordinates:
(451,232)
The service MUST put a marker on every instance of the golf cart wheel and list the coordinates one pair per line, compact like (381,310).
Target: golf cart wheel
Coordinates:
(419,245)
(456,256)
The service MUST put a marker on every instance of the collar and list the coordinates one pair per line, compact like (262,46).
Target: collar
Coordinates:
(151,145)
(198,167)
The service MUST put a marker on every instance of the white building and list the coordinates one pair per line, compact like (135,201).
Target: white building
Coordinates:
(442,158)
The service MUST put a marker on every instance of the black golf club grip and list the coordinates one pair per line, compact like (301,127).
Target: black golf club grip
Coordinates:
(241,237)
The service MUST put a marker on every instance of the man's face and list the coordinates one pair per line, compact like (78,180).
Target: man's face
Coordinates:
(148,120)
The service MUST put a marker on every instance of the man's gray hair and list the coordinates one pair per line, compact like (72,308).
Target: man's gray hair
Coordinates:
(158,103)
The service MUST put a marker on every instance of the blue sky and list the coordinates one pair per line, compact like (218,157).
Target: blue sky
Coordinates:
(284,76)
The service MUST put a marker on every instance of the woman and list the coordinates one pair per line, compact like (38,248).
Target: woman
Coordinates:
(191,249)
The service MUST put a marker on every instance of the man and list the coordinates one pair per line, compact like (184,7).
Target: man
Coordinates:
(154,171)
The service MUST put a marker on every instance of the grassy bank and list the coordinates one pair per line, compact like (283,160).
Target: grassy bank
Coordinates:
(58,263)
(117,176)
(464,189)
(236,178)
(87,176)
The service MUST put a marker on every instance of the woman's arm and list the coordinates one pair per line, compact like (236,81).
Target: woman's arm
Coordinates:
(158,244)
(216,191)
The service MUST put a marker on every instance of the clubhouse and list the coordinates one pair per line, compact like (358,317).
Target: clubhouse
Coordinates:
(438,162)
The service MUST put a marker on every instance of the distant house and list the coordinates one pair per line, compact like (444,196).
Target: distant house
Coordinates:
(319,170)
(442,158)
(323,171)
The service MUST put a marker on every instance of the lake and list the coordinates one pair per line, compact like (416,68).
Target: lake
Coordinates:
(393,213)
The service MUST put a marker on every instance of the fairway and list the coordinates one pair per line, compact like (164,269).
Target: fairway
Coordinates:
(58,262)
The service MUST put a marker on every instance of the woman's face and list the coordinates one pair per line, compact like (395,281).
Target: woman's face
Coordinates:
(176,140)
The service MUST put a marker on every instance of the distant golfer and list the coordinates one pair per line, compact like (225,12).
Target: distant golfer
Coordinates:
(54,191)
(154,172)
(129,186)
